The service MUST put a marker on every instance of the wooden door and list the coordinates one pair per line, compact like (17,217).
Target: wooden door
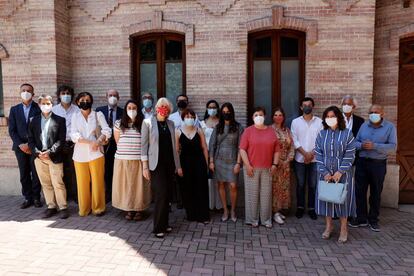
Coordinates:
(405,154)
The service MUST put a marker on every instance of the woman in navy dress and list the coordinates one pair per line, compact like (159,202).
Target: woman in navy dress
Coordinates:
(335,153)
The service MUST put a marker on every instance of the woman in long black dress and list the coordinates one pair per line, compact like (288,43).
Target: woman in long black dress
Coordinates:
(192,148)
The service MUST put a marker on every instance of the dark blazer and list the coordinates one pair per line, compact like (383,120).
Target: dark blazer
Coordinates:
(357,123)
(105,110)
(18,125)
(56,137)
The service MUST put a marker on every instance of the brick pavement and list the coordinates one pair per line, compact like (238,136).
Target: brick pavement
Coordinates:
(111,246)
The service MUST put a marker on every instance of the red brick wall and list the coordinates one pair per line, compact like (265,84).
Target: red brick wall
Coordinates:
(83,43)
(390,18)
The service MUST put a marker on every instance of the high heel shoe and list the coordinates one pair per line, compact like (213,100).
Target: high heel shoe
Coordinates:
(233,216)
(326,235)
(225,216)
(343,237)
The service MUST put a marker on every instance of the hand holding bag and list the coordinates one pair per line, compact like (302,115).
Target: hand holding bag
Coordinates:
(98,131)
(333,192)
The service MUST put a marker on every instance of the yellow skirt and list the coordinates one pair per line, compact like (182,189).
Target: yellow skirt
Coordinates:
(130,190)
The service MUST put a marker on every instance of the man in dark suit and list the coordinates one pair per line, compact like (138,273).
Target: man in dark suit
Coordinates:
(47,135)
(18,124)
(352,121)
(112,113)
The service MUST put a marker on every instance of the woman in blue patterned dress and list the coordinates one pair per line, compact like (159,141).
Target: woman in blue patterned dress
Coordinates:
(335,153)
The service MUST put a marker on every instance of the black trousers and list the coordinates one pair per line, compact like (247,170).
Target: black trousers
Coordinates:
(110,151)
(28,177)
(161,183)
(69,174)
(369,173)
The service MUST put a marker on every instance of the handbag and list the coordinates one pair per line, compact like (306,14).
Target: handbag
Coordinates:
(98,131)
(333,192)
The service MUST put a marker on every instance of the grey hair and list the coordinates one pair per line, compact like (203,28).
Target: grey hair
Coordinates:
(45,97)
(164,101)
(349,97)
(147,94)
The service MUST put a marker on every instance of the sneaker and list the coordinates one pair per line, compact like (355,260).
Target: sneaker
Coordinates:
(278,219)
(312,214)
(299,212)
(374,227)
(49,212)
(354,223)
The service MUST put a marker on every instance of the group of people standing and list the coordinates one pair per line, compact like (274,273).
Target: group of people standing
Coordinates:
(145,151)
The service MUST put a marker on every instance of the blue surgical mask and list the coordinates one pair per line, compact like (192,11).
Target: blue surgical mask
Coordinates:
(147,103)
(66,98)
(189,121)
(212,111)
(375,118)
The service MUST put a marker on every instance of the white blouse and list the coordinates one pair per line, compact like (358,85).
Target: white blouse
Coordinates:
(82,128)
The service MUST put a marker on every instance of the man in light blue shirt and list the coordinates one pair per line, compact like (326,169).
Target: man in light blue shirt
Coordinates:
(375,140)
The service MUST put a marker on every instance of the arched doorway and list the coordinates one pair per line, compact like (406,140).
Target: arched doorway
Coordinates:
(276,68)
(158,65)
(405,128)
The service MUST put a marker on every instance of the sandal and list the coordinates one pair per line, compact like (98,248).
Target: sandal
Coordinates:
(129,216)
(343,238)
(326,235)
(138,216)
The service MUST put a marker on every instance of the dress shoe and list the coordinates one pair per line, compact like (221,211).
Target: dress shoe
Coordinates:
(299,212)
(49,213)
(312,214)
(100,214)
(38,203)
(64,213)
(26,204)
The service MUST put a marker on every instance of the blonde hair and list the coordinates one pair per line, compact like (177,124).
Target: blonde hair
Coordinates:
(164,102)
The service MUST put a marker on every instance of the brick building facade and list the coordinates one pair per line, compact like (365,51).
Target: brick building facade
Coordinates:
(342,47)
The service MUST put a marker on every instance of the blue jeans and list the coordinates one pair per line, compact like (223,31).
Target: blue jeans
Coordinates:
(306,175)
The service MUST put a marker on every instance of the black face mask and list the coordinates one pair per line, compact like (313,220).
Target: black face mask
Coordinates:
(226,116)
(307,109)
(182,104)
(85,105)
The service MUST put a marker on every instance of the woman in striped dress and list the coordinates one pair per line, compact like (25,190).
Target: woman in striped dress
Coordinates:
(130,192)
(335,153)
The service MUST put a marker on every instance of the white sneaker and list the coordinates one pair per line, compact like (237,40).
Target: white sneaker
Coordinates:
(282,216)
(278,219)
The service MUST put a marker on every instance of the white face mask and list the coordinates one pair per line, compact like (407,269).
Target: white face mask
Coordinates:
(347,108)
(112,101)
(189,121)
(259,120)
(331,122)
(46,108)
(26,95)
(132,113)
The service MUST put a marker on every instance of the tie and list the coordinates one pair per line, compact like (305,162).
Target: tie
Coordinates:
(111,118)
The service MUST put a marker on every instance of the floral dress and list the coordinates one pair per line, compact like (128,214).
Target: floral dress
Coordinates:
(281,179)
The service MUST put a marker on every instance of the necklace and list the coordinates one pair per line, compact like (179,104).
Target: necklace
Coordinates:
(163,125)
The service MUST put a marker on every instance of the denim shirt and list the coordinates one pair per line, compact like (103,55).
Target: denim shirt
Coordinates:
(384,138)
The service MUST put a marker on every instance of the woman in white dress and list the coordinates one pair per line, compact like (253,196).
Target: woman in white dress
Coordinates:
(211,119)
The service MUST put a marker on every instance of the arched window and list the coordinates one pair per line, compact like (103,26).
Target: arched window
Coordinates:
(276,64)
(158,64)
